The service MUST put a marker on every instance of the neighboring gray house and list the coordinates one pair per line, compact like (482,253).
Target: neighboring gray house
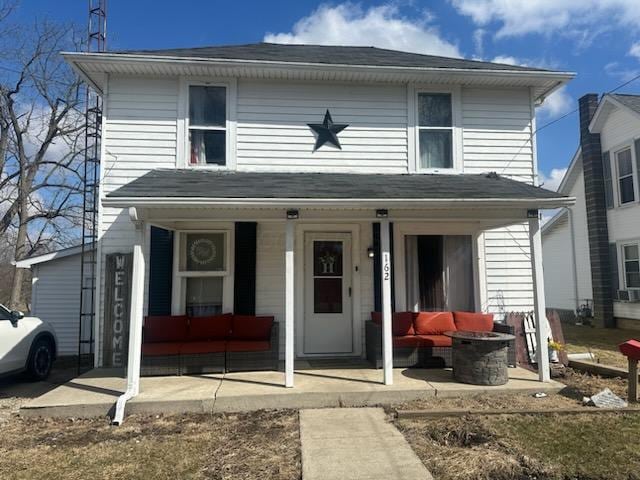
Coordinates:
(592,249)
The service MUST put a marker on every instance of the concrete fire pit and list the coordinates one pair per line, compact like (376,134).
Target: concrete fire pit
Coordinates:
(480,358)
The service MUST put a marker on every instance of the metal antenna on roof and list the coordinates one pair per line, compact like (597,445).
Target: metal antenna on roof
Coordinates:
(96,42)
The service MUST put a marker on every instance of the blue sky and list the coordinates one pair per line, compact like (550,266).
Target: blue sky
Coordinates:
(597,39)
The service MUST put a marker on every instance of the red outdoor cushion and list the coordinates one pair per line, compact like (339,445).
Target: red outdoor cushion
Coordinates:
(248,327)
(434,340)
(401,322)
(215,346)
(215,327)
(434,323)
(161,348)
(166,328)
(474,322)
(406,341)
(248,345)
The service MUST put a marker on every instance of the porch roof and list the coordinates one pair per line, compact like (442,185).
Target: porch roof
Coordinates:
(191,186)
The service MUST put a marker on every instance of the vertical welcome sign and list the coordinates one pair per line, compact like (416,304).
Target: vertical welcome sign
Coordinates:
(117,304)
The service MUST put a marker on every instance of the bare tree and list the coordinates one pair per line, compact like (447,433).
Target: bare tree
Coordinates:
(41,144)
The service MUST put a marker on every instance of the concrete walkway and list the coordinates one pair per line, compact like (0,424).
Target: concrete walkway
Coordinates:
(355,444)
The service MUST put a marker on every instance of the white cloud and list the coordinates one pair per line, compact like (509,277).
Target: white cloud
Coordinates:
(582,19)
(381,26)
(621,72)
(553,180)
(509,60)
(634,51)
(556,105)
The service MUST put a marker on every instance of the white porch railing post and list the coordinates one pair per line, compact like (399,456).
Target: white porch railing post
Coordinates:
(540,310)
(385,269)
(289,304)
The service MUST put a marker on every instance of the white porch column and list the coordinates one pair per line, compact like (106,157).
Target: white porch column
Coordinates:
(289,301)
(385,269)
(137,310)
(135,318)
(540,309)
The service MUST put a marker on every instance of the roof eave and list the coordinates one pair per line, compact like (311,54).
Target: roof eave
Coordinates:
(355,203)
(600,115)
(75,58)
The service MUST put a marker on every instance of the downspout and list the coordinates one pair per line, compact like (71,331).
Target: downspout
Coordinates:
(135,320)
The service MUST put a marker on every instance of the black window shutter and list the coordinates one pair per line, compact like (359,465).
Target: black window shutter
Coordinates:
(377,269)
(613,260)
(608,181)
(244,280)
(160,271)
(377,273)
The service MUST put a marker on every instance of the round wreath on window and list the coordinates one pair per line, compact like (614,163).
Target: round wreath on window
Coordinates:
(202,251)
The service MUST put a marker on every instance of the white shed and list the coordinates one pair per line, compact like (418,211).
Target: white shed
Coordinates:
(55,294)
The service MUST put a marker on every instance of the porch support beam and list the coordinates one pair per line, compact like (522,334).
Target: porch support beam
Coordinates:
(540,309)
(289,304)
(385,278)
(135,319)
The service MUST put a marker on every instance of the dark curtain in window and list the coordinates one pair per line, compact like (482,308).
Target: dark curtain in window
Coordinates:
(430,274)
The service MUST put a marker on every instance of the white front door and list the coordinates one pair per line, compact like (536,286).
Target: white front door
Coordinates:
(328,325)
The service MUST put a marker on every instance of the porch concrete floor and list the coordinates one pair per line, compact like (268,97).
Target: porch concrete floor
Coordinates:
(94,393)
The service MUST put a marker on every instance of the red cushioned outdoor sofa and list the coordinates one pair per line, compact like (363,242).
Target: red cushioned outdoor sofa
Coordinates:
(419,340)
(177,344)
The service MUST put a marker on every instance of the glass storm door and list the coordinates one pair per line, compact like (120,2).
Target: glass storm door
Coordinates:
(328,326)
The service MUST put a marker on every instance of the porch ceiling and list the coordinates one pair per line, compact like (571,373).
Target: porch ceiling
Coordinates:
(174,188)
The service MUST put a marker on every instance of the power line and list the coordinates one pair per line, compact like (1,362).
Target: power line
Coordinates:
(548,124)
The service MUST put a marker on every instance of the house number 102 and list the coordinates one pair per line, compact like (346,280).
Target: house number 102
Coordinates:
(385,267)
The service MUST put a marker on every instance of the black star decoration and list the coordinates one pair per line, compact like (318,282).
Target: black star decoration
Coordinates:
(327,132)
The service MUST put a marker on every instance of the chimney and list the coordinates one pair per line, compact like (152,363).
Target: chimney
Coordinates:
(597,228)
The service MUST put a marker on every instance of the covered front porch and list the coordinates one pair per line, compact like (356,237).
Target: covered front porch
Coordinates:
(373,226)
(94,394)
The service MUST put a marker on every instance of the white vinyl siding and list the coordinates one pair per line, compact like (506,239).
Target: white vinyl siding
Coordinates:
(140,127)
(497,132)
(56,299)
(272,131)
(558,269)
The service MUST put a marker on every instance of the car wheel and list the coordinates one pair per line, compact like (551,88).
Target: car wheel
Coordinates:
(40,360)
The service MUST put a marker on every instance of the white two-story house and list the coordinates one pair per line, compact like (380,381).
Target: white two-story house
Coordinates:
(592,249)
(314,184)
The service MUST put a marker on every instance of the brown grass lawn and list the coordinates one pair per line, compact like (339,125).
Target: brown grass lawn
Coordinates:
(602,342)
(584,446)
(260,445)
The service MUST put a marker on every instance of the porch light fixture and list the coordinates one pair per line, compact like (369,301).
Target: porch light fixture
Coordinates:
(382,213)
(370,252)
(292,214)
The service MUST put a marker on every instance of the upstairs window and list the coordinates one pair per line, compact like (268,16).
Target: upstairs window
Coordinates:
(631,265)
(625,176)
(435,130)
(208,125)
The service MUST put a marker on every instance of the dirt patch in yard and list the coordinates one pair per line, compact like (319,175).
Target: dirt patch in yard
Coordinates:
(257,445)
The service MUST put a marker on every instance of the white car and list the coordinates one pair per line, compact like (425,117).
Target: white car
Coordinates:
(26,344)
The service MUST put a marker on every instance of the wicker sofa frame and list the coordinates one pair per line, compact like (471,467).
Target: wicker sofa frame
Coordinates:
(214,362)
(424,357)
(261,360)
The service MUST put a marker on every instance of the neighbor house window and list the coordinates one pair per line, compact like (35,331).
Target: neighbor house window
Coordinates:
(631,260)
(202,267)
(625,176)
(435,130)
(208,125)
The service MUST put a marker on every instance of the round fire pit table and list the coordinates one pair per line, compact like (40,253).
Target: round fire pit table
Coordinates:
(480,358)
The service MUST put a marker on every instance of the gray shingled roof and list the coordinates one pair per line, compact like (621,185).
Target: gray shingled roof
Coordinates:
(630,101)
(185,183)
(327,54)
